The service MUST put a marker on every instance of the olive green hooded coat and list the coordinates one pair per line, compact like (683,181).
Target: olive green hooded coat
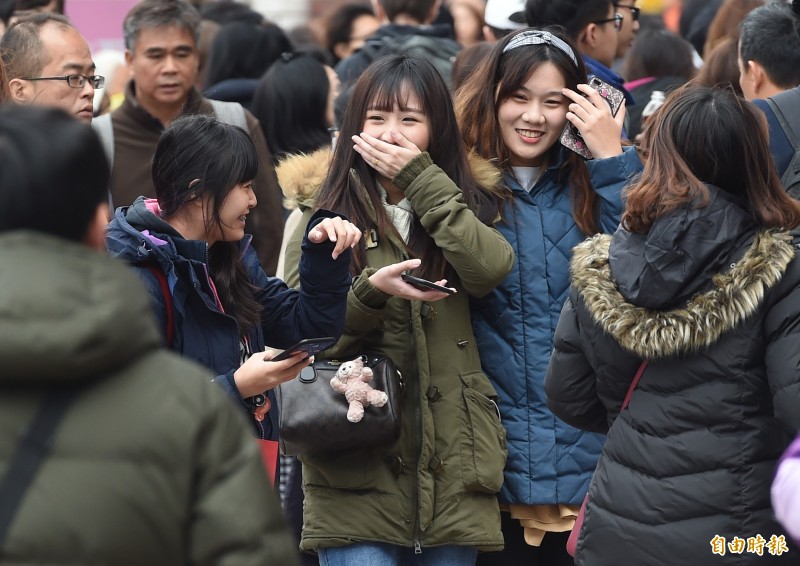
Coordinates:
(436,485)
(152,464)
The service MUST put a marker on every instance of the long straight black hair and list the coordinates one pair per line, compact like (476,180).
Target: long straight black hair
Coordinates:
(387,83)
(291,103)
(221,156)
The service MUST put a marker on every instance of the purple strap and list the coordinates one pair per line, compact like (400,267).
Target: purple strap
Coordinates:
(634,383)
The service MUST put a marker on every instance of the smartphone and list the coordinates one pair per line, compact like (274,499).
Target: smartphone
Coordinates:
(425,285)
(571,137)
(310,345)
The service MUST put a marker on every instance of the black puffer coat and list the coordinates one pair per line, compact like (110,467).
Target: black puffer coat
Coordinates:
(714,303)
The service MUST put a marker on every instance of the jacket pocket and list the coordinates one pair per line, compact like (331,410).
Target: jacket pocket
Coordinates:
(345,469)
(483,438)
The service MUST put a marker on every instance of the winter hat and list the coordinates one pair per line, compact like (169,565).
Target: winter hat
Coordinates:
(508,14)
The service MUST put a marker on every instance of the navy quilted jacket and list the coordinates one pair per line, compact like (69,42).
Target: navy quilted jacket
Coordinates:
(548,461)
(202,331)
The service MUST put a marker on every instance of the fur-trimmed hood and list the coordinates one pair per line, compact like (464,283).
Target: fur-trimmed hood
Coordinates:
(733,296)
(301,176)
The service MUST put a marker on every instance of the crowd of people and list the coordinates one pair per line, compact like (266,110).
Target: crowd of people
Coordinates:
(602,199)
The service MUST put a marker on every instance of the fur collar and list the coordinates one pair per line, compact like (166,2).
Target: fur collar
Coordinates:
(735,295)
(300,176)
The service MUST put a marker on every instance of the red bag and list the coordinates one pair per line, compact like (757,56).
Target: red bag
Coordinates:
(269,454)
(572,541)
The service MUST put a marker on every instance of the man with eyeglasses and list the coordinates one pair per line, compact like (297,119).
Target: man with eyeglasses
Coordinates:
(49,64)
(596,27)
(630,25)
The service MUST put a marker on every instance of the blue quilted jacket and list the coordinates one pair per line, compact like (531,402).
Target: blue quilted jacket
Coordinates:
(548,461)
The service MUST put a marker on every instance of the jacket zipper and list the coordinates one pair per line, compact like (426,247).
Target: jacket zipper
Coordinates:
(259,424)
(418,416)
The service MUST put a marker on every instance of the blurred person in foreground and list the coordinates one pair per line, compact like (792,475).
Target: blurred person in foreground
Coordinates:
(150,458)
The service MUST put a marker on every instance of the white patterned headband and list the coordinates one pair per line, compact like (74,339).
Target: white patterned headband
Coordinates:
(539,38)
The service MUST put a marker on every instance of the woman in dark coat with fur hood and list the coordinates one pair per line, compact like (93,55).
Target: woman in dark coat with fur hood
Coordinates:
(701,280)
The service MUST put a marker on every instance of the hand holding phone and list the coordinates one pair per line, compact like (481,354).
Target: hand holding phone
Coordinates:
(425,285)
(572,138)
(310,345)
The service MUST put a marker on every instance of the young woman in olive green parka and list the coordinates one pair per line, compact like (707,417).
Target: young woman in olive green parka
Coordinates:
(401,174)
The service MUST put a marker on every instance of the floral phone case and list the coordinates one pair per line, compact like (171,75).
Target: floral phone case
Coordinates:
(571,138)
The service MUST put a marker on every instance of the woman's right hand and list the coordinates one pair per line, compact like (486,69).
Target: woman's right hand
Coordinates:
(388,279)
(591,115)
(258,374)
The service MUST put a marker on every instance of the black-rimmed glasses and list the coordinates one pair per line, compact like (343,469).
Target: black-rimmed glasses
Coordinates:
(75,81)
(617,19)
(635,11)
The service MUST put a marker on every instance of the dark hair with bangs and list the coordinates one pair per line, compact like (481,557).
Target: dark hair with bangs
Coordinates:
(702,136)
(383,85)
(496,80)
(220,156)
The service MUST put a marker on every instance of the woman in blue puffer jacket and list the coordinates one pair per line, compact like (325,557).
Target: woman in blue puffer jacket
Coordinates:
(513,110)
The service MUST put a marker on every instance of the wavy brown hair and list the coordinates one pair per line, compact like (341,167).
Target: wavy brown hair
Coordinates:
(497,78)
(707,136)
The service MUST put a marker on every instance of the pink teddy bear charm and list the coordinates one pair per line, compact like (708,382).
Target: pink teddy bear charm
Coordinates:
(352,379)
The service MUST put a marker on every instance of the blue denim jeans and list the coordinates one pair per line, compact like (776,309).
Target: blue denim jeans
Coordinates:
(382,554)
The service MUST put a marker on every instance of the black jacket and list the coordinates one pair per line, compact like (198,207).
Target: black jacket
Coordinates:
(713,302)
(434,42)
(203,331)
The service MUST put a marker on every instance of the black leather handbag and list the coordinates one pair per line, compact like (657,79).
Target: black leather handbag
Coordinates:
(312,417)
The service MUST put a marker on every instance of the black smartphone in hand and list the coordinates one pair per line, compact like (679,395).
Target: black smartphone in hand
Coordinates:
(425,285)
(311,345)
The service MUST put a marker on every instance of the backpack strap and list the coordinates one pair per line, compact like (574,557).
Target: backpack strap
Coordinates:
(230,112)
(164,285)
(786,107)
(34,445)
(105,130)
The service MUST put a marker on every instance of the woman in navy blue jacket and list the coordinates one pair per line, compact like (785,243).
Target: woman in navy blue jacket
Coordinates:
(224,308)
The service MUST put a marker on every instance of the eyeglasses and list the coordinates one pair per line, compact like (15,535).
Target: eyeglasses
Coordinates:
(75,81)
(635,11)
(617,19)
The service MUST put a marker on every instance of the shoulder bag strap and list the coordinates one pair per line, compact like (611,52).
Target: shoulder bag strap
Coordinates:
(34,446)
(634,383)
(164,284)
(230,113)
